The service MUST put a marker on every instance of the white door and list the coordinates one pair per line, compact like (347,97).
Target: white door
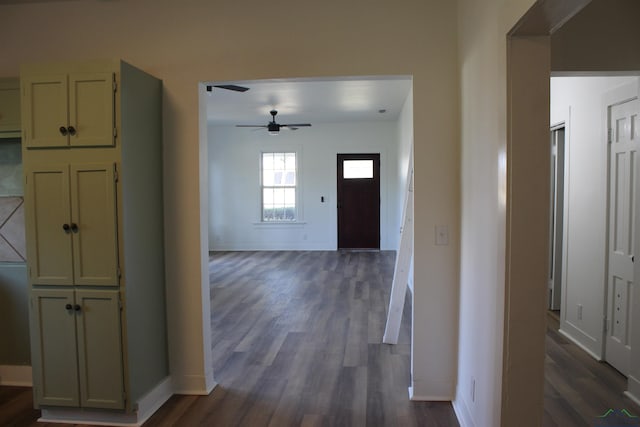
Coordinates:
(624,138)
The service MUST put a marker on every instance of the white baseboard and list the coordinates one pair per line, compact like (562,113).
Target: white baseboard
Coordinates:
(633,398)
(462,413)
(633,389)
(89,417)
(581,345)
(16,375)
(434,390)
(152,401)
(146,407)
(427,397)
(199,385)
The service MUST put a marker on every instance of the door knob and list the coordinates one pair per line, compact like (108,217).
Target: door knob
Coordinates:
(72,130)
(68,306)
(77,307)
(74,227)
(63,131)
(66,228)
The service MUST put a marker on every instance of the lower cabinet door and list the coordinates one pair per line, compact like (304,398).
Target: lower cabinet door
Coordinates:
(77,348)
(55,362)
(100,349)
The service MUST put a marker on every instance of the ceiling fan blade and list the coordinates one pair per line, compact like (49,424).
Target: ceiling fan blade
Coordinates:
(251,126)
(234,88)
(296,125)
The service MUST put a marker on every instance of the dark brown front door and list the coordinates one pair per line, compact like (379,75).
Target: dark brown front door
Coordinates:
(358,201)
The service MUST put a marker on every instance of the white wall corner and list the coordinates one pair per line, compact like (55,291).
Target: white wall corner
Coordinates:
(462,412)
(16,375)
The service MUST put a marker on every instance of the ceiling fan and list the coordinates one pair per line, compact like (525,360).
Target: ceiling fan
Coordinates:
(234,88)
(274,127)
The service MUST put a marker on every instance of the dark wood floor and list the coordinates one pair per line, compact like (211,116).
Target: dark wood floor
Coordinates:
(577,387)
(297,342)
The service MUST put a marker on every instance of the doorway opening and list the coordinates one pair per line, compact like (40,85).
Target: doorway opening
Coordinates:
(556,220)
(339,114)
(597,225)
(529,65)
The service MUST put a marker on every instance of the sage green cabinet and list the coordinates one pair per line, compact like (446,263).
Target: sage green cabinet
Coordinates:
(78,356)
(92,155)
(75,109)
(71,213)
(10,123)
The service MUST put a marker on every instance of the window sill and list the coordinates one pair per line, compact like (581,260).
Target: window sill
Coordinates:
(279,223)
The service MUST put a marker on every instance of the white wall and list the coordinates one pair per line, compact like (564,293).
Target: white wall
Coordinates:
(578,102)
(404,134)
(482,47)
(234,197)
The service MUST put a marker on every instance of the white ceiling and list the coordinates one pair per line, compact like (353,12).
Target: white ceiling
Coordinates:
(309,100)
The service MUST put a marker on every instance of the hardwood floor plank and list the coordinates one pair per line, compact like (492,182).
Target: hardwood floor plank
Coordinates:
(577,387)
(296,340)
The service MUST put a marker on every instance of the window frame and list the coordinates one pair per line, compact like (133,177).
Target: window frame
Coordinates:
(296,187)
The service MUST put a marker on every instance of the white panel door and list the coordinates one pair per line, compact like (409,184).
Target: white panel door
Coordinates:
(625,136)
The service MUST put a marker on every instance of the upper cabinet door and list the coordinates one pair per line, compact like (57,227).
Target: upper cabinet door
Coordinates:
(9,108)
(91,110)
(48,225)
(46,111)
(93,224)
(76,110)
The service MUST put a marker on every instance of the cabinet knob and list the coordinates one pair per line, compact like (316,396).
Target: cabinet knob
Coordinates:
(77,307)
(72,130)
(68,306)
(63,131)
(66,228)
(74,227)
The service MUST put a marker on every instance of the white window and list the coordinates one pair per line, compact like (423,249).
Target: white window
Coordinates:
(279,181)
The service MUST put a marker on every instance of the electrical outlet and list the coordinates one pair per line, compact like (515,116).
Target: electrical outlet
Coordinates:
(579,311)
(473,389)
(442,235)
